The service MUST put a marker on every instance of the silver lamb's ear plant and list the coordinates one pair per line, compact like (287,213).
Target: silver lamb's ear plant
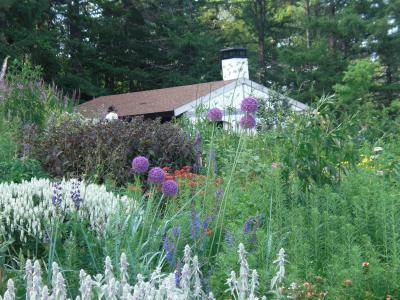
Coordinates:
(28,277)
(158,287)
(280,274)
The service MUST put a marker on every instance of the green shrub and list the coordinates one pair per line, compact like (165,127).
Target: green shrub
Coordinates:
(74,146)
(27,98)
(17,170)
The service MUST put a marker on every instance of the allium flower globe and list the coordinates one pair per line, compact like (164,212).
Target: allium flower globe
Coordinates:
(156,175)
(248,122)
(170,188)
(140,164)
(214,114)
(249,105)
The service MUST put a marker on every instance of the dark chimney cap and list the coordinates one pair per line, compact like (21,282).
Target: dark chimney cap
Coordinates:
(234,52)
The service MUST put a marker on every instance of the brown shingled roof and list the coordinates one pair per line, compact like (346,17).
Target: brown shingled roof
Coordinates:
(148,102)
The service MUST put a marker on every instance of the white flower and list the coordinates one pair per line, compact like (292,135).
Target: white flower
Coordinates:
(378,149)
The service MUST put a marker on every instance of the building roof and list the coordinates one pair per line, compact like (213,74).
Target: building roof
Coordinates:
(149,102)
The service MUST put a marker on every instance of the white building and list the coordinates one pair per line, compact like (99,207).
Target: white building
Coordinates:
(193,100)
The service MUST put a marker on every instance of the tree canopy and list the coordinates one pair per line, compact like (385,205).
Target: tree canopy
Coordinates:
(100,47)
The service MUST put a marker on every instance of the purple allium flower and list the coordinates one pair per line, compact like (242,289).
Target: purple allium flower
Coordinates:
(140,164)
(170,188)
(169,249)
(248,121)
(156,175)
(214,114)
(57,193)
(76,193)
(249,105)
(195,225)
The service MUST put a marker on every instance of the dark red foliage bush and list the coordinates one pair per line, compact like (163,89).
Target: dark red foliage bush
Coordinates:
(72,146)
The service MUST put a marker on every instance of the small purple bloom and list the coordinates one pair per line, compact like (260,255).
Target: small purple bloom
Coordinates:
(215,114)
(219,193)
(248,121)
(195,225)
(178,276)
(140,164)
(249,105)
(248,225)
(176,231)
(156,175)
(169,249)
(76,193)
(228,239)
(170,188)
(57,193)
(206,223)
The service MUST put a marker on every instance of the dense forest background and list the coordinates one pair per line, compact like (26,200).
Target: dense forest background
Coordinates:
(102,47)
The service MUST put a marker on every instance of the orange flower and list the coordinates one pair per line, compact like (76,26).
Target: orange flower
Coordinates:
(365,264)
(323,294)
(133,188)
(192,184)
(209,232)
(347,281)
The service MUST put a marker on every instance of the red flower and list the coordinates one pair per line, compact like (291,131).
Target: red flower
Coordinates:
(365,264)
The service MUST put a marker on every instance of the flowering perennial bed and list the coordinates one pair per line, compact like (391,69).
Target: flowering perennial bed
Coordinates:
(28,207)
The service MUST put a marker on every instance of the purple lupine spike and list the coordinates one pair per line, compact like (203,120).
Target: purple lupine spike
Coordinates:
(195,225)
(178,275)
(229,239)
(248,225)
(169,249)
(76,193)
(176,231)
(57,193)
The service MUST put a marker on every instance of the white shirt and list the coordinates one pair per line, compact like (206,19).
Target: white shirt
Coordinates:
(111,116)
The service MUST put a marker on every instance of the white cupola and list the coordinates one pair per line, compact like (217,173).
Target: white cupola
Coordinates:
(234,63)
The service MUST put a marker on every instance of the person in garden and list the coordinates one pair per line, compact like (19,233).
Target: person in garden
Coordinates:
(111,114)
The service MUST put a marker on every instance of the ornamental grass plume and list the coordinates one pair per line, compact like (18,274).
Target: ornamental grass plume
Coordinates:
(140,164)
(170,188)
(215,115)
(249,105)
(248,121)
(156,175)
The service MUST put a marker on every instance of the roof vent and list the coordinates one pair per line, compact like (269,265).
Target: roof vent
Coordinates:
(234,63)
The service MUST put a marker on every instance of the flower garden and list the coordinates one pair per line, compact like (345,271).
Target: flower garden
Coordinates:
(305,209)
